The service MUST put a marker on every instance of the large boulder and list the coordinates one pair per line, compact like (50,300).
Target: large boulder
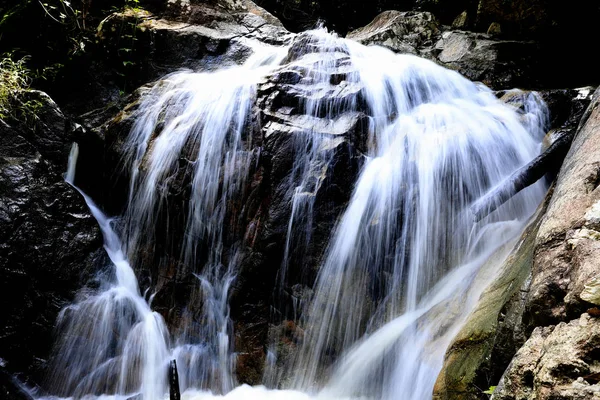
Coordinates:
(567,246)
(280,125)
(49,241)
(136,46)
(557,362)
(403,32)
(500,64)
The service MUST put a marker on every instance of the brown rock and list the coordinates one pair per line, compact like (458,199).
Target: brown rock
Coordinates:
(494,29)
(461,21)
(567,244)
(554,364)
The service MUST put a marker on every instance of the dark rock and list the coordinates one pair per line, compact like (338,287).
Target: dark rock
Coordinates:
(11,388)
(135,46)
(49,240)
(446,10)
(529,17)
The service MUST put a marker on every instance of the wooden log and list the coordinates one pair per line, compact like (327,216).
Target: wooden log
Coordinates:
(524,177)
(174,393)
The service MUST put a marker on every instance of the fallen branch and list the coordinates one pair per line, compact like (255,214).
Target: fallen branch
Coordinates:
(174,393)
(524,177)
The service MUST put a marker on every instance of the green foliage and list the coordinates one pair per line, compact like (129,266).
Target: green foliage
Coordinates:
(490,391)
(15,79)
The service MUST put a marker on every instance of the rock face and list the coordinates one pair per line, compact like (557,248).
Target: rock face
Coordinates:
(403,32)
(558,362)
(500,64)
(566,245)
(48,238)
(497,63)
(137,46)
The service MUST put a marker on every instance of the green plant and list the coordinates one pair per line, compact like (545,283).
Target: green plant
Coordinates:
(15,79)
(490,391)
(73,19)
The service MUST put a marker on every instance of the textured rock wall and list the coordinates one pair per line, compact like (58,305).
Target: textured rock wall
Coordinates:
(49,243)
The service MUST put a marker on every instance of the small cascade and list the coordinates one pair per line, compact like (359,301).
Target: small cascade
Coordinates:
(110,341)
(406,261)
(199,123)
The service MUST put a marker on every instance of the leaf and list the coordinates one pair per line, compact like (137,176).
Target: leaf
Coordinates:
(490,390)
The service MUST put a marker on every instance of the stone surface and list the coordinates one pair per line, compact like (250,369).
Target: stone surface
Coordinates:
(461,21)
(136,46)
(566,246)
(279,125)
(403,32)
(500,64)
(558,363)
(49,242)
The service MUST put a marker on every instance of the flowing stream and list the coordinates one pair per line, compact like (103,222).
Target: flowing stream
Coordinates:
(404,265)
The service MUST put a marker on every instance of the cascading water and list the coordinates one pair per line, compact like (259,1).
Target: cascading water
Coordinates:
(110,342)
(404,266)
(408,224)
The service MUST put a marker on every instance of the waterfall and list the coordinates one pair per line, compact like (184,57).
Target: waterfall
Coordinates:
(407,225)
(406,261)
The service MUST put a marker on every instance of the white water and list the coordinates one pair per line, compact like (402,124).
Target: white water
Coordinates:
(112,341)
(405,264)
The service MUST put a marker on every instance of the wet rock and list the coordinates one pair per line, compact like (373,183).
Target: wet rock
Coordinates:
(403,32)
(493,62)
(559,363)
(281,123)
(49,242)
